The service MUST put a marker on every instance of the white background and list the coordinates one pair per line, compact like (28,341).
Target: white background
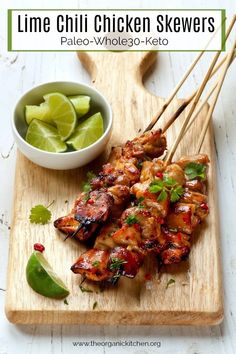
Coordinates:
(19,73)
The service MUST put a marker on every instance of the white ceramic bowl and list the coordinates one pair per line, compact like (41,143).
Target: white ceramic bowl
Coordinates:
(66,160)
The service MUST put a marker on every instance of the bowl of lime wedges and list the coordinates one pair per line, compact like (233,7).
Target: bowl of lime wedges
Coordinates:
(62,125)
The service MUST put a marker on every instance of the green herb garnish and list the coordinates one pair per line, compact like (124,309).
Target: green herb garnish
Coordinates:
(131,219)
(174,229)
(66,302)
(140,201)
(170,281)
(165,187)
(140,165)
(193,170)
(40,214)
(85,290)
(96,263)
(116,263)
(86,185)
(95,305)
(162,196)
(176,193)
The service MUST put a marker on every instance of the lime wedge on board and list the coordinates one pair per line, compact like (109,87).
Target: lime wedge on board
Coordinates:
(42,279)
(44,136)
(81,104)
(62,113)
(87,132)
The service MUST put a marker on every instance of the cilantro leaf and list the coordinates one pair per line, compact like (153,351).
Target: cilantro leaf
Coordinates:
(193,170)
(40,214)
(86,185)
(96,264)
(90,175)
(170,281)
(85,290)
(176,193)
(167,186)
(95,305)
(131,219)
(156,186)
(162,196)
(140,201)
(116,263)
(169,182)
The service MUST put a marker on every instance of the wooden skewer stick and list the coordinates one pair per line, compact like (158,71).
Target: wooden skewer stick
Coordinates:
(186,102)
(193,106)
(172,95)
(181,82)
(171,152)
(208,95)
(218,88)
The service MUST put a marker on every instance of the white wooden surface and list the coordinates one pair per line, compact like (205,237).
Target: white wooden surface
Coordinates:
(19,72)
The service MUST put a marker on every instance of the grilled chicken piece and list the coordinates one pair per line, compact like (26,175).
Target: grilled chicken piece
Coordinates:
(177,247)
(98,265)
(157,208)
(104,239)
(140,231)
(175,172)
(196,185)
(199,199)
(182,218)
(130,262)
(94,209)
(120,195)
(151,169)
(88,213)
(148,225)
(67,224)
(150,143)
(128,235)
(123,172)
(123,163)
(93,265)
(200,158)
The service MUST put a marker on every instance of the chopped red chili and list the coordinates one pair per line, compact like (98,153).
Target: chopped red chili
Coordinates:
(39,247)
(90,201)
(159,175)
(204,206)
(179,236)
(136,226)
(187,217)
(148,276)
(160,220)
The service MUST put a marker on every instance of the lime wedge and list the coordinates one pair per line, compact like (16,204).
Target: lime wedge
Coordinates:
(41,112)
(62,113)
(42,279)
(44,136)
(87,132)
(81,104)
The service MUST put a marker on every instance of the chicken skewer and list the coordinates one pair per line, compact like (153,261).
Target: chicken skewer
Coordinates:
(171,236)
(109,192)
(118,175)
(168,159)
(150,225)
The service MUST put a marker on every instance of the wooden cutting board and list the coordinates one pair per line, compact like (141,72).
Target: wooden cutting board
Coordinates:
(196,296)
